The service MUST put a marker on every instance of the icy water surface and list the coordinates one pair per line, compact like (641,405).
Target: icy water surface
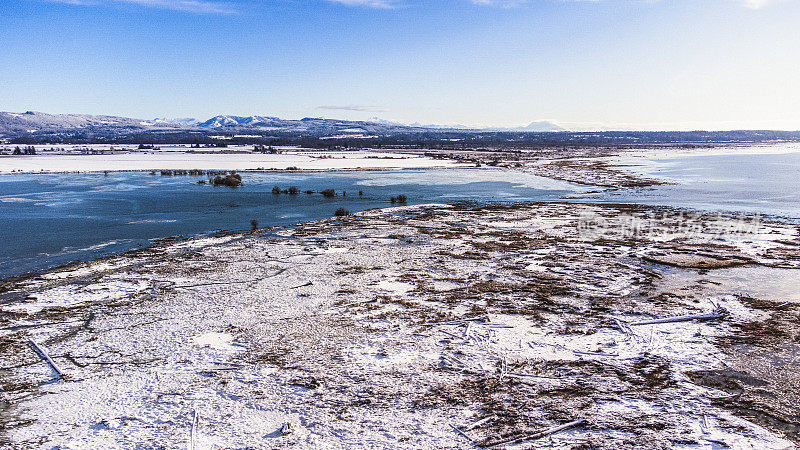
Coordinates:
(747,183)
(47,220)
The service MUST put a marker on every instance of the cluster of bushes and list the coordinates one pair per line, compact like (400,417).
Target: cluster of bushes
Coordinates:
(402,199)
(341,212)
(29,150)
(265,149)
(294,190)
(232,180)
(213,145)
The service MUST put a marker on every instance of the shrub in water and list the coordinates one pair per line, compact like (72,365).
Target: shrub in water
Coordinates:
(293,190)
(276,190)
(341,212)
(328,193)
(232,180)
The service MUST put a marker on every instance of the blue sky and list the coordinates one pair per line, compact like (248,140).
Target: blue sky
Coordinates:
(645,64)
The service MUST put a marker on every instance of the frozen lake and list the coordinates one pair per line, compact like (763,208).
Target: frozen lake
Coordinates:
(52,219)
(751,182)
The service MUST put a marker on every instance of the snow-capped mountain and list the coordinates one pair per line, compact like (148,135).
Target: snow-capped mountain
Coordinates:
(237,121)
(540,126)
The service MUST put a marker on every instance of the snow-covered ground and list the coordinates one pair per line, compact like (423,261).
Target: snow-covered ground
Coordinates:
(233,158)
(404,328)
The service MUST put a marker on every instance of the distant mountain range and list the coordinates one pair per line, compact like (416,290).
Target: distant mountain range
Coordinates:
(36,127)
(32,122)
(41,127)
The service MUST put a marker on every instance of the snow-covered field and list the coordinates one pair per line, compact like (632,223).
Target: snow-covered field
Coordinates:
(172,158)
(419,327)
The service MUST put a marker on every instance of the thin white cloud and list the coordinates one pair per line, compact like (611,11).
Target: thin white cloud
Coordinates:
(362,108)
(192,6)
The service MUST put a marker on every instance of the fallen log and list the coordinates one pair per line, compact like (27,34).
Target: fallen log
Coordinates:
(623,326)
(539,435)
(302,285)
(479,423)
(192,432)
(46,358)
(462,433)
(449,334)
(719,313)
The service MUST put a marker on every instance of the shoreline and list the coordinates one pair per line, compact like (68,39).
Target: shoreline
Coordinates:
(168,240)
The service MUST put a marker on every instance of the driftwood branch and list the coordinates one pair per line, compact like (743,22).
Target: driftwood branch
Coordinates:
(541,434)
(46,357)
(719,313)
(623,326)
(462,433)
(480,422)
(302,285)
(192,433)
(449,334)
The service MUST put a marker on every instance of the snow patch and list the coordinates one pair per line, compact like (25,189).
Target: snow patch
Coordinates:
(218,341)
(72,295)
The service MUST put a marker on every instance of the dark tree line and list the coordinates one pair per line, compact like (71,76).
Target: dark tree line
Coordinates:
(29,150)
